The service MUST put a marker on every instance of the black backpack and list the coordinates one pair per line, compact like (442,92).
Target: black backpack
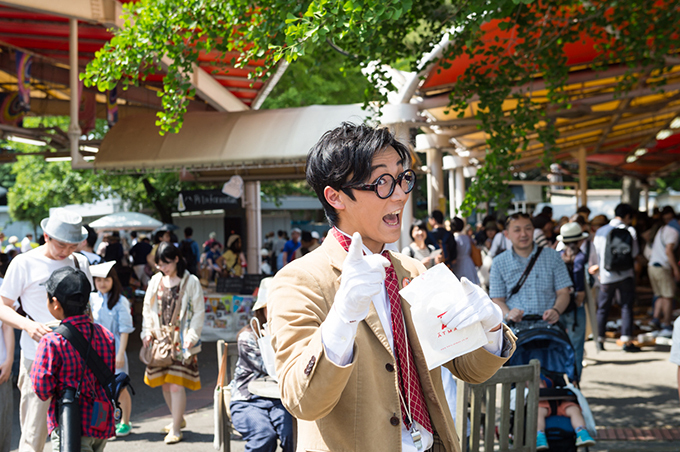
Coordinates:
(618,252)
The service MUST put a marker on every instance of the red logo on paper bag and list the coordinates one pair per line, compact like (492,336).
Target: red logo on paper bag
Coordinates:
(445,329)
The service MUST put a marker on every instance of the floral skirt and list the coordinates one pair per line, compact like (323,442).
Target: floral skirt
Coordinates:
(182,374)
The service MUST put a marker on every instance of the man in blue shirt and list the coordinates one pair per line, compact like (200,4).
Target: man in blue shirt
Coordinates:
(545,291)
(291,246)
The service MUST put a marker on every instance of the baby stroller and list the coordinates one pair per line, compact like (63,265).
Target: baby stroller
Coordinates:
(550,344)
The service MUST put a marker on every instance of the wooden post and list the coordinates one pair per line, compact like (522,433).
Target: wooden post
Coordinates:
(583,175)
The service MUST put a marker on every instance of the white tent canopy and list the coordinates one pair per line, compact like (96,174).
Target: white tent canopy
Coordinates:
(129,221)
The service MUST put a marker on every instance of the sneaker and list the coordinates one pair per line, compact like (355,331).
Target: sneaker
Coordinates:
(583,439)
(123,429)
(542,441)
(631,348)
(666,332)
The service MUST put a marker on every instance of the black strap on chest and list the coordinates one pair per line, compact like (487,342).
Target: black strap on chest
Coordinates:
(92,359)
(527,270)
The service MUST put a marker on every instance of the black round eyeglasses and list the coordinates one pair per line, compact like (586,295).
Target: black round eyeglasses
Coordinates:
(384,185)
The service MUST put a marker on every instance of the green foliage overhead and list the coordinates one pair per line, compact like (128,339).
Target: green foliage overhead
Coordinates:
(635,33)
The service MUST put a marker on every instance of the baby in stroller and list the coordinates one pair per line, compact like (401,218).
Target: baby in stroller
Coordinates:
(566,408)
(563,410)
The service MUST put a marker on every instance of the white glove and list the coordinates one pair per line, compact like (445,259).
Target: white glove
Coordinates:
(479,308)
(362,278)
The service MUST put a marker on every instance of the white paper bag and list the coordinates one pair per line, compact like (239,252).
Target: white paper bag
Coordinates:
(429,295)
(264,342)
(267,351)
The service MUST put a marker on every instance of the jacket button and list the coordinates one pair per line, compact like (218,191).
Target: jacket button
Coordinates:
(389,367)
(394,420)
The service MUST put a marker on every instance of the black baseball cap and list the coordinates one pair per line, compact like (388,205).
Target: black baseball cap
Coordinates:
(70,286)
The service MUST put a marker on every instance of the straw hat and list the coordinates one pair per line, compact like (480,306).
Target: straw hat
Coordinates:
(571,232)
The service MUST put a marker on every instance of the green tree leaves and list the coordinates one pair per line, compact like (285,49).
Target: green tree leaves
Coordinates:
(636,33)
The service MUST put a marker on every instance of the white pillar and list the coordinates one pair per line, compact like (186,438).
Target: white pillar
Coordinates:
(460,186)
(401,132)
(253,225)
(583,175)
(435,179)
(452,192)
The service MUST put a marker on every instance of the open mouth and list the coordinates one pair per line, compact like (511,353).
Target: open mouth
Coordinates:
(392,219)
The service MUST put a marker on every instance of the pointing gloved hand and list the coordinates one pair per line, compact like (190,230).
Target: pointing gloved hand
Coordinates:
(362,278)
(479,308)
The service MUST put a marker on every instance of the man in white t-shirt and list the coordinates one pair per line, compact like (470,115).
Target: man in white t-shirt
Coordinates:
(6,398)
(24,278)
(664,272)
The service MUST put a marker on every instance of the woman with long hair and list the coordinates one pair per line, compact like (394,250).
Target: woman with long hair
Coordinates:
(174,299)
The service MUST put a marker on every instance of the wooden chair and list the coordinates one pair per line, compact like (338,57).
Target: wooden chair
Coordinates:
(475,400)
(232,356)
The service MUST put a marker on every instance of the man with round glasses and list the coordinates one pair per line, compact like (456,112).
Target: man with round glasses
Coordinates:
(350,366)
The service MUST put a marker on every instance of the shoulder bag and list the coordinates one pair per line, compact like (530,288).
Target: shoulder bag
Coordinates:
(159,352)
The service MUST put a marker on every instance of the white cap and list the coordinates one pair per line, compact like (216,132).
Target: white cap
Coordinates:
(101,270)
(262,293)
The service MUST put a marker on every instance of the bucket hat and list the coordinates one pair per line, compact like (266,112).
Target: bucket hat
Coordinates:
(571,232)
(64,226)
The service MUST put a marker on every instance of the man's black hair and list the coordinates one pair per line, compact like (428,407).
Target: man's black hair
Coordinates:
(547,210)
(457,224)
(541,220)
(437,216)
(344,156)
(188,232)
(668,210)
(623,210)
(91,236)
(133,234)
(306,236)
(583,209)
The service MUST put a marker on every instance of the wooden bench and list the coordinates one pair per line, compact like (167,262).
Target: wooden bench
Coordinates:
(475,400)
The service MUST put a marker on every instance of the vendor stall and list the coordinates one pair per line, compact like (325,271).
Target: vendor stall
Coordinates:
(228,305)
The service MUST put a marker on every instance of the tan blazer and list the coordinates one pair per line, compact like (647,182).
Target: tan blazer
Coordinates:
(349,408)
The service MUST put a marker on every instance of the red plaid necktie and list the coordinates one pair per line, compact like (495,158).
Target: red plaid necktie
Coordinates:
(409,381)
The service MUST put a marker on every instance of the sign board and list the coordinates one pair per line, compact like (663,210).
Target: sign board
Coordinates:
(251,282)
(192,200)
(229,285)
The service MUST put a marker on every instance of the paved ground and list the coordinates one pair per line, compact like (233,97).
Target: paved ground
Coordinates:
(633,396)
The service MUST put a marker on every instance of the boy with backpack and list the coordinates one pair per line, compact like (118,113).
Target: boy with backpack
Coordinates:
(59,367)
(616,247)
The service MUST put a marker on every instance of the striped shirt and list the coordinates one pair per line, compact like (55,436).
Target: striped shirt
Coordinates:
(538,293)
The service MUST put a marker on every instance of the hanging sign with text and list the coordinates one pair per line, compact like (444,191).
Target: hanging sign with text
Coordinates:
(194,200)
